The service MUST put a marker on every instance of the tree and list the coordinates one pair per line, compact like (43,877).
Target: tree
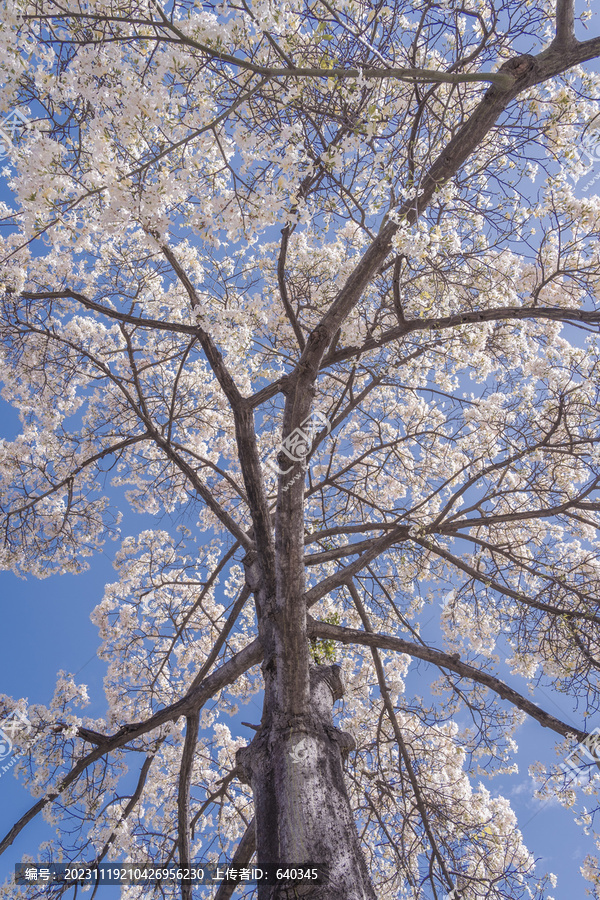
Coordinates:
(307,279)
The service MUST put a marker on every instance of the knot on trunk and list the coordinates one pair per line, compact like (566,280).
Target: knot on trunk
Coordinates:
(343,739)
(326,686)
(243,762)
(518,65)
(252,570)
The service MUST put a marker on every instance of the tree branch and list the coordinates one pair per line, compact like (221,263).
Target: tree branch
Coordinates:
(241,859)
(389,708)
(107,451)
(192,702)
(183,799)
(343,635)
(196,482)
(565,23)
(503,589)
(138,321)
(283,292)
(432,323)
(402,74)
(130,806)
(378,545)
(245,436)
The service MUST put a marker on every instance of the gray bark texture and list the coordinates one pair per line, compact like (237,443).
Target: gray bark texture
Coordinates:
(303,815)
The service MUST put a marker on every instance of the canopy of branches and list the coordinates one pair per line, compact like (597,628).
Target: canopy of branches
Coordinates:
(319,275)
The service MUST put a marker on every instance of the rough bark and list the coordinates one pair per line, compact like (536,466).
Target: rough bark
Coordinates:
(303,814)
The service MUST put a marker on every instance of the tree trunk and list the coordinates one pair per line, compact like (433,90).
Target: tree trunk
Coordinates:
(302,811)
(294,764)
